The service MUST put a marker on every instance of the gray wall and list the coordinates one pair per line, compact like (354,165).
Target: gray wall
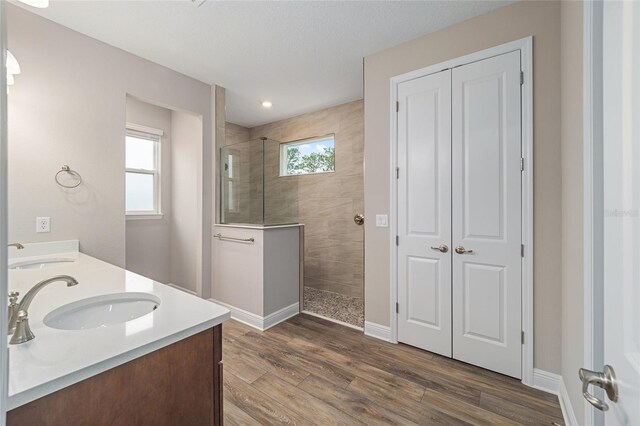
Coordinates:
(68,107)
(525,18)
(281,273)
(148,247)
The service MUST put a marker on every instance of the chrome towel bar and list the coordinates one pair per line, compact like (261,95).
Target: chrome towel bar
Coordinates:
(243,240)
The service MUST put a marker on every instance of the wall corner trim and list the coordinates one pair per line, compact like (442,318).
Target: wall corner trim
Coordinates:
(554,383)
(378,331)
(258,322)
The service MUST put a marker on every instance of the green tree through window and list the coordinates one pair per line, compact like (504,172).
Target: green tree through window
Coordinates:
(309,156)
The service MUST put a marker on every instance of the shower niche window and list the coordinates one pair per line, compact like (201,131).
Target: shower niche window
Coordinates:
(252,190)
(314,155)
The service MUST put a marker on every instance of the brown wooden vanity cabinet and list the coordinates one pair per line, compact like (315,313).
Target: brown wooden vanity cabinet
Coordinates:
(180,384)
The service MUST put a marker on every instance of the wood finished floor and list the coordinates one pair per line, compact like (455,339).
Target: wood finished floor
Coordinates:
(308,371)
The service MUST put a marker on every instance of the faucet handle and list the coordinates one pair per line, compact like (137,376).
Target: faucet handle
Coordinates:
(22,332)
(12,311)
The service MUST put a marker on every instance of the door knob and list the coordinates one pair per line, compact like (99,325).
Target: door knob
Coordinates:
(442,248)
(462,250)
(359,219)
(605,380)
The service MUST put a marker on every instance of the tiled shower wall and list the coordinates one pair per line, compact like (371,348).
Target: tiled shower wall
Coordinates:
(326,202)
(235,134)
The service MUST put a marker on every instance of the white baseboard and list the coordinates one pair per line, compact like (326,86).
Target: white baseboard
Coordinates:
(545,381)
(281,315)
(257,321)
(553,383)
(378,331)
(565,405)
(245,317)
(186,290)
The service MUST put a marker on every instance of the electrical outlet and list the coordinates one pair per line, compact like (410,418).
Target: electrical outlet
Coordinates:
(43,224)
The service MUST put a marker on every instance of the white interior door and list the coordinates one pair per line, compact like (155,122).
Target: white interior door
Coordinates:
(486,183)
(621,191)
(424,212)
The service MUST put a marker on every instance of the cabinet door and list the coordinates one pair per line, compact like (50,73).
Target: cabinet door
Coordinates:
(424,213)
(486,183)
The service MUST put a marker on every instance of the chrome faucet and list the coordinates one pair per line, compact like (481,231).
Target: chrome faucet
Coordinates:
(16,245)
(20,320)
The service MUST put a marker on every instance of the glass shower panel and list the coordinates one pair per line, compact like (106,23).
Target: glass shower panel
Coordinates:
(252,190)
(242,183)
(281,192)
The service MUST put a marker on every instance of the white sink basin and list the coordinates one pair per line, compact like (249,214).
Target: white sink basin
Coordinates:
(102,311)
(39,264)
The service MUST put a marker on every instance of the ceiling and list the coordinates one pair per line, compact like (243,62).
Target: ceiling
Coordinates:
(300,55)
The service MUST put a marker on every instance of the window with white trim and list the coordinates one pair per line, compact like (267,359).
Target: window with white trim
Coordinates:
(313,155)
(142,170)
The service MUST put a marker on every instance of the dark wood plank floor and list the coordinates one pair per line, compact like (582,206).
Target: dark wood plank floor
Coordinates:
(307,371)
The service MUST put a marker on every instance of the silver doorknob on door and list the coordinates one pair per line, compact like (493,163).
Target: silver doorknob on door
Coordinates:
(359,219)
(462,250)
(605,380)
(442,247)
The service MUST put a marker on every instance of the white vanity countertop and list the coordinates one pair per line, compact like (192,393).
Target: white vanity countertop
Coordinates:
(58,358)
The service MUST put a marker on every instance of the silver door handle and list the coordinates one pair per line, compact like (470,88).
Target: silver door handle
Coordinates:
(605,380)
(442,248)
(462,250)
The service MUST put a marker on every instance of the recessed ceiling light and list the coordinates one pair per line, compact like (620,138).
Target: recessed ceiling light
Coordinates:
(267,104)
(37,3)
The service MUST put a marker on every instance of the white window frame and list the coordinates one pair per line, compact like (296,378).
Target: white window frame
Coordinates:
(284,172)
(154,135)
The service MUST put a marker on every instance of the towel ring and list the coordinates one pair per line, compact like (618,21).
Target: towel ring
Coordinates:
(67,169)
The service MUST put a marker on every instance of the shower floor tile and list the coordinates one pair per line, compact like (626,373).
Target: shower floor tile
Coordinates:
(335,306)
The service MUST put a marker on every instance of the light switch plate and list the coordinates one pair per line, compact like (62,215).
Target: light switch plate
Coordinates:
(43,224)
(382,220)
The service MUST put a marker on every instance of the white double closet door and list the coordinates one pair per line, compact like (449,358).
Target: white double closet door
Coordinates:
(459,213)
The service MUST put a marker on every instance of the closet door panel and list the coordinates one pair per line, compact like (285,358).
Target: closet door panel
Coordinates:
(424,212)
(486,191)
